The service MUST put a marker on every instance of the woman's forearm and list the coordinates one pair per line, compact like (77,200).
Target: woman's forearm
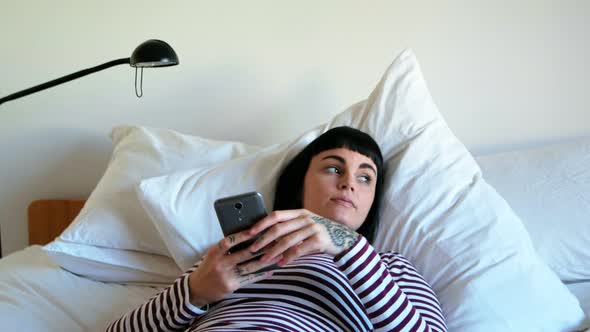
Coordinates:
(169,310)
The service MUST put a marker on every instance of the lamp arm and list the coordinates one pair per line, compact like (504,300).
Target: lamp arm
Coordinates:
(64,79)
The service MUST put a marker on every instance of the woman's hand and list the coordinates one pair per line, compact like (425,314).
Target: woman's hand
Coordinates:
(296,233)
(221,273)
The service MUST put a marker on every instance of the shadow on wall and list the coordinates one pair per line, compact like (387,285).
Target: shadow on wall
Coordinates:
(46,163)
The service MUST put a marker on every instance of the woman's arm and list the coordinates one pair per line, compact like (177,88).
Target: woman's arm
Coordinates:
(394,294)
(169,310)
(208,281)
(395,299)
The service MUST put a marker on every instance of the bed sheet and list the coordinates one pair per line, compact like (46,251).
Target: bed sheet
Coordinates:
(37,295)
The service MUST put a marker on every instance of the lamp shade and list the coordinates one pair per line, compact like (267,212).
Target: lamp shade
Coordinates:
(153,53)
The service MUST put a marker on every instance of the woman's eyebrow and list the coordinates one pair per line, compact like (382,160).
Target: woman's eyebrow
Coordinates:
(342,160)
(365,165)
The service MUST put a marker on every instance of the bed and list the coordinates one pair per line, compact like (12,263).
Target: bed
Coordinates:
(508,225)
(37,295)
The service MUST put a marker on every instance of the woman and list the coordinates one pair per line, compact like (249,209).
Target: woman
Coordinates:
(328,277)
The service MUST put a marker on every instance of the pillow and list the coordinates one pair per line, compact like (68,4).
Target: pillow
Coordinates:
(437,210)
(112,230)
(113,265)
(549,188)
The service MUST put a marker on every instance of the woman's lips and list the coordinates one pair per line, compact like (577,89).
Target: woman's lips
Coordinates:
(343,202)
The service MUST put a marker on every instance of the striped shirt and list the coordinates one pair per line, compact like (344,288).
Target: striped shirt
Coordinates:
(359,290)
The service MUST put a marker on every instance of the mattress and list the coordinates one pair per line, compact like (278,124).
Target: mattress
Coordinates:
(37,295)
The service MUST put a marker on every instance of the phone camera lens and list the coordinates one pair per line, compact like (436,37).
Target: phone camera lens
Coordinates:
(238,206)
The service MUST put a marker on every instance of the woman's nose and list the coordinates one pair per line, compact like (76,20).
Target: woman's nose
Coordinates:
(347,182)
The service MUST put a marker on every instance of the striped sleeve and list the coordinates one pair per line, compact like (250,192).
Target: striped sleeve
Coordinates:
(169,310)
(395,296)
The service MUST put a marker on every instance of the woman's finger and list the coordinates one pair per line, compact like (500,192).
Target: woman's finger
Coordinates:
(254,277)
(242,256)
(302,249)
(279,230)
(255,266)
(225,244)
(289,241)
(276,217)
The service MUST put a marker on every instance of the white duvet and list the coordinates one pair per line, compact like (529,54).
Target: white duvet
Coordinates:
(582,291)
(37,295)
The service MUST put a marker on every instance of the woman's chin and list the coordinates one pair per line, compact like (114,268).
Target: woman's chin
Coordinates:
(341,218)
(339,214)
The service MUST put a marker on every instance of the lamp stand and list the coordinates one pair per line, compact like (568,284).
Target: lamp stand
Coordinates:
(64,79)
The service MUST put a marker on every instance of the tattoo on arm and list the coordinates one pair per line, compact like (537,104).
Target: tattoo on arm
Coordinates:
(342,236)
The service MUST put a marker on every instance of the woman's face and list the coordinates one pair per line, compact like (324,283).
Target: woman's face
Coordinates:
(340,185)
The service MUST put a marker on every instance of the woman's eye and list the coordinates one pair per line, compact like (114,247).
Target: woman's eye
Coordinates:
(365,178)
(333,169)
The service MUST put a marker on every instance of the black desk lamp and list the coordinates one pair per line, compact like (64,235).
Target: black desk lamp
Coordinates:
(151,53)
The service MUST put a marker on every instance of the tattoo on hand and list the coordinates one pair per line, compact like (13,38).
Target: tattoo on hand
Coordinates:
(342,236)
(232,238)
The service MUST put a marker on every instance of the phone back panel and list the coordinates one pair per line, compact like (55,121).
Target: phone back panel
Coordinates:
(240,212)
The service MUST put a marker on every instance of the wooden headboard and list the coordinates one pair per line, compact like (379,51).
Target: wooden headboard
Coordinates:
(49,217)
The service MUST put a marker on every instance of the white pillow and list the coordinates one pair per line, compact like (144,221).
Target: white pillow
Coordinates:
(112,229)
(437,211)
(549,188)
(113,265)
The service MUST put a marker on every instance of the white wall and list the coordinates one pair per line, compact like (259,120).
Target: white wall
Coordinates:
(505,74)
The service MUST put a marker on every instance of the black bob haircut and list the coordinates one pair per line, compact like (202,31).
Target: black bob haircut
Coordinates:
(289,188)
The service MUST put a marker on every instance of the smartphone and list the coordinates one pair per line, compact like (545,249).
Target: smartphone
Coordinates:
(238,213)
